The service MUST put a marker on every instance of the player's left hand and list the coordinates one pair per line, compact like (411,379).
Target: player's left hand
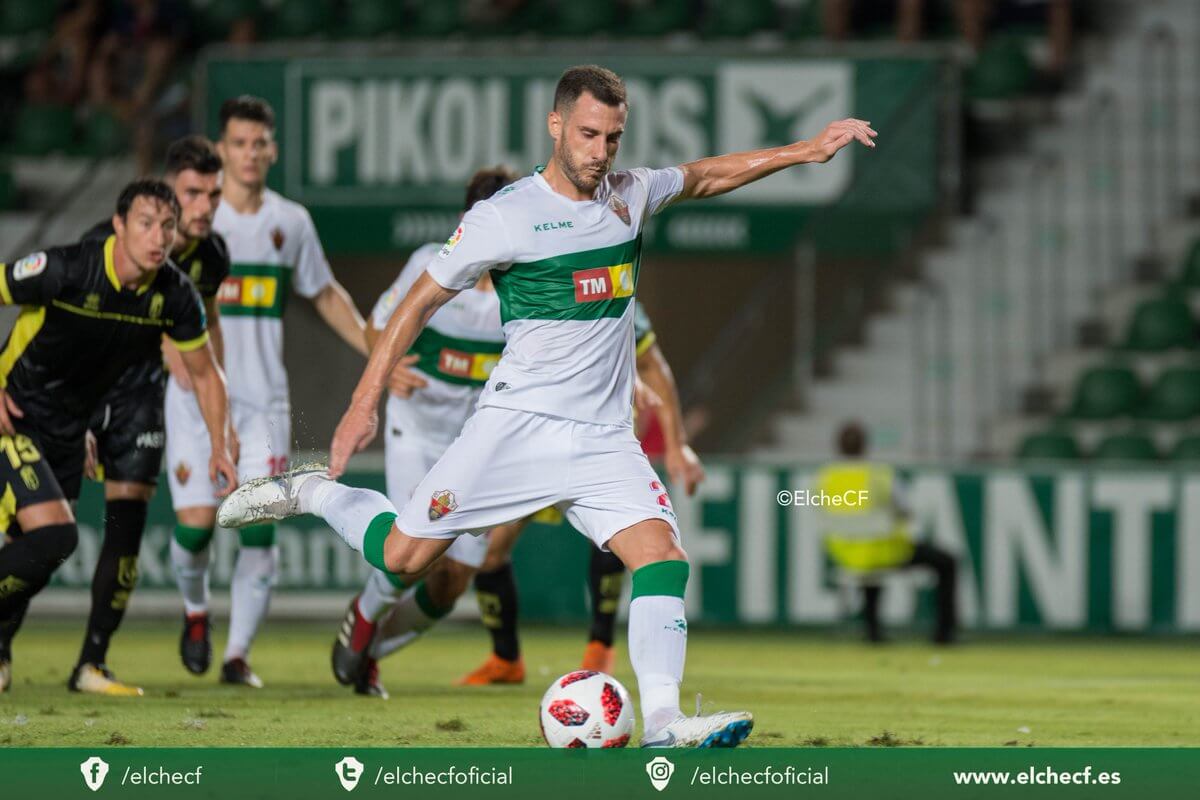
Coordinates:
(222,472)
(685,469)
(91,456)
(839,134)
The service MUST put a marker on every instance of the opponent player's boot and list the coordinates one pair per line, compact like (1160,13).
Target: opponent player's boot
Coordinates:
(195,645)
(722,729)
(369,684)
(354,636)
(495,670)
(98,679)
(5,675)
(237,671)
(598,657)
(267,499)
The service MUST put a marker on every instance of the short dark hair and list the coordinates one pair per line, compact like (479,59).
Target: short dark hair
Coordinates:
(852,440)
(195,153)
(486,182)
(146,187)
(601,83)
(247,107)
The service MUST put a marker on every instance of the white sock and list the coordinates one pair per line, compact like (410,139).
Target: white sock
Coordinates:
(347,510)
(191,575)
(378,597)
(403,626)
(250,596)
(657,648)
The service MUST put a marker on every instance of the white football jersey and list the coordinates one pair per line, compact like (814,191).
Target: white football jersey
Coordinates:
(565,272)
(457,351)
(273,252)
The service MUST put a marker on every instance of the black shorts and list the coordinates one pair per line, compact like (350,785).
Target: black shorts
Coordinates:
(37,467)
(130,434)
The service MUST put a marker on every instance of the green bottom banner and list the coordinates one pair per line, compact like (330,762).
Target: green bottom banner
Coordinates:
(298,773)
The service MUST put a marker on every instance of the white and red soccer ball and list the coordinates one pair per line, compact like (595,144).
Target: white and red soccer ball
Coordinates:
(586,709)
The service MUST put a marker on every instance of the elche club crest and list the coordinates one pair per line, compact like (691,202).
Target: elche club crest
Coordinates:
(441,503)
(619,207)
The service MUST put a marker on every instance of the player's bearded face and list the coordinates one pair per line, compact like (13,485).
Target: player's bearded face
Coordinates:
(198,196)
(147,233)
(247,150)
(588,141)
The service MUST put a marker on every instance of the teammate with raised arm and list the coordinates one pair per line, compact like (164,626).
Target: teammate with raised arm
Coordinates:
(554,423)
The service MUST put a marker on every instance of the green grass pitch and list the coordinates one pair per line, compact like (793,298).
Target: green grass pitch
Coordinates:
(805,690)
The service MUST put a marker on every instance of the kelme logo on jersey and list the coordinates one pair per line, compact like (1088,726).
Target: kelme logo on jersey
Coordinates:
(29,266)
(476,366)
(603,283)
(441,504)
(451,243)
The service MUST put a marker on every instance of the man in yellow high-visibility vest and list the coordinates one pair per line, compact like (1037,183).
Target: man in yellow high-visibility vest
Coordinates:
(866,527)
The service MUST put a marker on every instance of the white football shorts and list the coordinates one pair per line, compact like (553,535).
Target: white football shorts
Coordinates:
(508,464)
(264,438)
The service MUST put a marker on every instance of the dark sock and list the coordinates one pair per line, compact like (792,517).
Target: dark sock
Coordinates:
(606,575)
(871,597)
(9,627)
(116,575)
(28,561)
(497,595)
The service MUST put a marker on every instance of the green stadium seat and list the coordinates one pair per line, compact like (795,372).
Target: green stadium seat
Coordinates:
(738,19)
(104,135)
(1105,393)
(42,129)
(575,18)
(431,20)
(660,17)
(1126,447)
(369,18)
(1002,71)
(22,17)
(302,19)
(215,18)
(1049,446)
(1187,449)
(1190,278)
(1174,396)
(1161,324)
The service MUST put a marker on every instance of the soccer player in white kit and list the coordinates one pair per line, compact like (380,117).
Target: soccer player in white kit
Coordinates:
(274,251)
(554,424)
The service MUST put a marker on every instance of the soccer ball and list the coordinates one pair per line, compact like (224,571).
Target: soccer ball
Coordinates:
(586,709)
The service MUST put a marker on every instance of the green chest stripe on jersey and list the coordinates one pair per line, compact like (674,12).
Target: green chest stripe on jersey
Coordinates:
(593,284)
(255,290)
(465,362)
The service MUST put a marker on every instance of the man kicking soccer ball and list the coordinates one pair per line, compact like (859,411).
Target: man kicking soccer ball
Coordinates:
(553,425)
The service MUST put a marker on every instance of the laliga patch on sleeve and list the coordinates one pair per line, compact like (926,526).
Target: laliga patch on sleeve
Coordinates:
(29,266)
(451,243)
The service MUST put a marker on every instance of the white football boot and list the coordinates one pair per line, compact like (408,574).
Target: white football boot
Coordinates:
(722,729)
(267,499)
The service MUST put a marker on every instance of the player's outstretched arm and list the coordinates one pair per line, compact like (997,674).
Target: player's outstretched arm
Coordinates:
(213,397)
(358,425)
(334,305)
(710,177)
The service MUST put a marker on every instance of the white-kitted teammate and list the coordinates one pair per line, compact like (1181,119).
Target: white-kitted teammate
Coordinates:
(554,423)
(274,251)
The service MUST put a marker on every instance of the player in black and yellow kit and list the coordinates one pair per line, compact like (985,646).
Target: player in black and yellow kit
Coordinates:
(127,432)
(90,312)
